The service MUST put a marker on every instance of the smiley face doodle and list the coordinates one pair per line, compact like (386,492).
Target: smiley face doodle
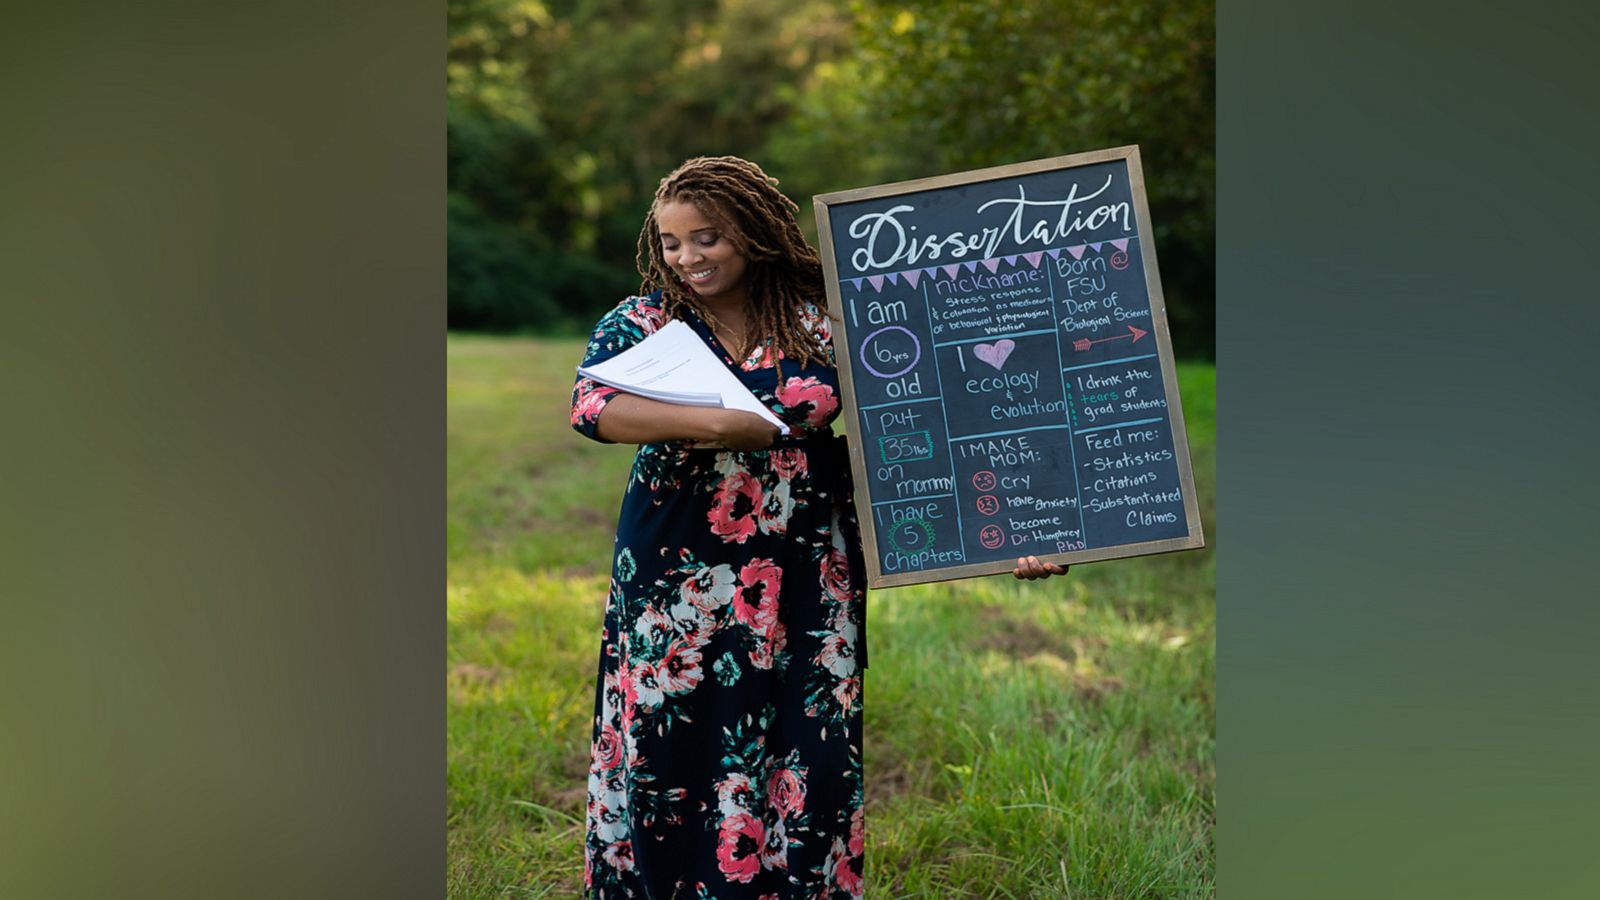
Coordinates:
(988,505)
(991,536)
(984,480)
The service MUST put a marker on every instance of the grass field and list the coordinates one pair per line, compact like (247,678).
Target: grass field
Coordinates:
(1044,739)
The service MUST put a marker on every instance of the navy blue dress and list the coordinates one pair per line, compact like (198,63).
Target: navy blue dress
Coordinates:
(726,754)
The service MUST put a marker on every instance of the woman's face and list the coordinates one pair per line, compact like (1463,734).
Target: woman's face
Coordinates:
(700,253)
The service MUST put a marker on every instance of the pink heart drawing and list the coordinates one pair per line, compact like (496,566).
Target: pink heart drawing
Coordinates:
(995,354)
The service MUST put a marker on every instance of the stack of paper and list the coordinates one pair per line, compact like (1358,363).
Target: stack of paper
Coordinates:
(675,366)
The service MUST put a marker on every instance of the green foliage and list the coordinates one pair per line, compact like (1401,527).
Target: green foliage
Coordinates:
(564,116)
(940,86)
(491,274)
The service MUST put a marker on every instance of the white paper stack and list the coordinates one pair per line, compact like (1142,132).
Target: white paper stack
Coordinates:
(675,366)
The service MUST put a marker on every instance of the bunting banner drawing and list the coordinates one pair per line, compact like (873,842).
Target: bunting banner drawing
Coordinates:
(1032,260)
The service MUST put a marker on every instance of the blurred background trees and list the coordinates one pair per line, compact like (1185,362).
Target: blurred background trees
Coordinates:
(564,114)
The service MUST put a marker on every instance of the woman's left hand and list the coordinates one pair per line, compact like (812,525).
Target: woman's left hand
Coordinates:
(1029,568)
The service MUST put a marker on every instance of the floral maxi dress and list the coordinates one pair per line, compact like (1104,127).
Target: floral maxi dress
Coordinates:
(726,754)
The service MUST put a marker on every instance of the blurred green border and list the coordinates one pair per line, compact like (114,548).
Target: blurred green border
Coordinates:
(223,244)
(1406,684)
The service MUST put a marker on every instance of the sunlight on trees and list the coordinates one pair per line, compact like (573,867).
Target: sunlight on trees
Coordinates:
(564,115)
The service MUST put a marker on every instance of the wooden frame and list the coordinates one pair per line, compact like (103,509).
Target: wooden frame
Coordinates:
(1158,316)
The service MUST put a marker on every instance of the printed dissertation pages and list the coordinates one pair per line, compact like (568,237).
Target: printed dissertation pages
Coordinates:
(675,366)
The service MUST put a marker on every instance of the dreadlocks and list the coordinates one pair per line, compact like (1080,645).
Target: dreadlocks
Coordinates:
(785,273)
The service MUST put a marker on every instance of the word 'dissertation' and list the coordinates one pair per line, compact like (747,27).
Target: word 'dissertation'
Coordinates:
(1011,387)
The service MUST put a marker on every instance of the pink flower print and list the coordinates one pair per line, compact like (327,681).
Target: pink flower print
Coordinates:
(786,792)
(679,670)
(646,686)
(620,856)
(613,696)
(846,868)
(732,514)
(690,620)
(841,618)
(709,588)
(814,320)
(592,398)
(762,357)
(629,695)
(607,748)
(838,654)
(654,625)
(789,462)
(858,832)
(847,691)
(756,601)
(799,393)
(775,846)
(738,847)
(766,652)
(610,816)
(836,576)
(735,795)
(630,748)
(776,507)
(761,655)
(699,633)
(647,317)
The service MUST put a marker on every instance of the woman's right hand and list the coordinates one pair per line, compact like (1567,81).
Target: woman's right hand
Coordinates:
(740,430)
(1030,568)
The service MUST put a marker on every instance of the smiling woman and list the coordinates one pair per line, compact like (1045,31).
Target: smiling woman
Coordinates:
(708,261)
(726,756)
(726,750)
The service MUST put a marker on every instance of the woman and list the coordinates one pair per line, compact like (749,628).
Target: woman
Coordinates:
(726,759)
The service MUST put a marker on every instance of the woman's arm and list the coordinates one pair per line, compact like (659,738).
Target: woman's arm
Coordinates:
(630,419)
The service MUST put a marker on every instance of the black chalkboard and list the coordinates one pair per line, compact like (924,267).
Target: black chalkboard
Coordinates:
(1007,370)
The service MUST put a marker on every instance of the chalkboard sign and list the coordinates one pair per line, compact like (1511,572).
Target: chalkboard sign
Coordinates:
(1006,369)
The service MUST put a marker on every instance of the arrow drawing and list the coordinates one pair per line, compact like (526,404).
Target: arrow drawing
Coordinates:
(1135,333)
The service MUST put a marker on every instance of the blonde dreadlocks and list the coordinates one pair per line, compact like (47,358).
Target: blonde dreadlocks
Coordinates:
(785,273)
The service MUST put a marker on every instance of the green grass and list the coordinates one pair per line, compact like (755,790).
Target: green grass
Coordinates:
(1045,739)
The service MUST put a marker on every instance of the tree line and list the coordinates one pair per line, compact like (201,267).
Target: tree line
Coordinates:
(563,115)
